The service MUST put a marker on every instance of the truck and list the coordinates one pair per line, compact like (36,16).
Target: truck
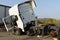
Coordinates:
(22,18)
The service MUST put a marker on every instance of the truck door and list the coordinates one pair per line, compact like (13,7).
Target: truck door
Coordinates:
(10,22)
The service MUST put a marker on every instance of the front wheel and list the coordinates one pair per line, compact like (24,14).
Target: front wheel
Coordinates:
(17,31)
(30,32)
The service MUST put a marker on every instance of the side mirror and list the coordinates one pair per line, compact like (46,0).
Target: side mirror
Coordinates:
(14,17)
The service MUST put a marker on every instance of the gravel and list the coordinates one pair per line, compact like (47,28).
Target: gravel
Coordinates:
(10,36)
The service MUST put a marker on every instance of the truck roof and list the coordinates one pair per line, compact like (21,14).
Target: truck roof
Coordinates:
(24,2)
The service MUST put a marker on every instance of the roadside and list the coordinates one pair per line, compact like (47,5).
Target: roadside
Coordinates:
(10,36)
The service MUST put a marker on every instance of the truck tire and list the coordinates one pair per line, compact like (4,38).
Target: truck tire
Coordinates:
(13,31)
(19,31)
(30,32)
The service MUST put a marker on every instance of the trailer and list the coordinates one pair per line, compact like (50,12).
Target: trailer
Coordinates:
(4,11)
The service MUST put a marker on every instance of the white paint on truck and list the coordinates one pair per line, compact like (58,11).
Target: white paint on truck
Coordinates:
(14,11)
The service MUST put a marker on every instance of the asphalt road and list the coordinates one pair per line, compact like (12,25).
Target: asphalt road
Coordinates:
(10,36)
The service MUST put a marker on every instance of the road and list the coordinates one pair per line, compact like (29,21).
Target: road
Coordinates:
(10,36)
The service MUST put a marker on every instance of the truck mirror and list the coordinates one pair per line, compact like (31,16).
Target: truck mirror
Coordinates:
(14,17)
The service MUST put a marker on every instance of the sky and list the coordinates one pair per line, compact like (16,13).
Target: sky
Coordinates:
(44,9)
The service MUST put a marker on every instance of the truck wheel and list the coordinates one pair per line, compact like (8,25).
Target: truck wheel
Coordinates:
(14,31)
(19,31)
(28,33)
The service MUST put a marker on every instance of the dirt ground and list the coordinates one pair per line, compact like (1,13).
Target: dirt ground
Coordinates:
(10,36)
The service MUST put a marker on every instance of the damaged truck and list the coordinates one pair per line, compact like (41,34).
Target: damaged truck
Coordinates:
(22,19)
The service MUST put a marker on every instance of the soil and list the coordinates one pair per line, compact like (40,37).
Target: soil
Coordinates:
(10,36)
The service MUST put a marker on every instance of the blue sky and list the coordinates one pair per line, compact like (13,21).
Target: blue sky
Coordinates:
(44,9)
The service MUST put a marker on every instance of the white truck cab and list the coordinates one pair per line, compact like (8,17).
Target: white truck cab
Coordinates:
(24,13)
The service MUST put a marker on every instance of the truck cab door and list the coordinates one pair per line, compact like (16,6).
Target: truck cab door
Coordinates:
(10,22)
